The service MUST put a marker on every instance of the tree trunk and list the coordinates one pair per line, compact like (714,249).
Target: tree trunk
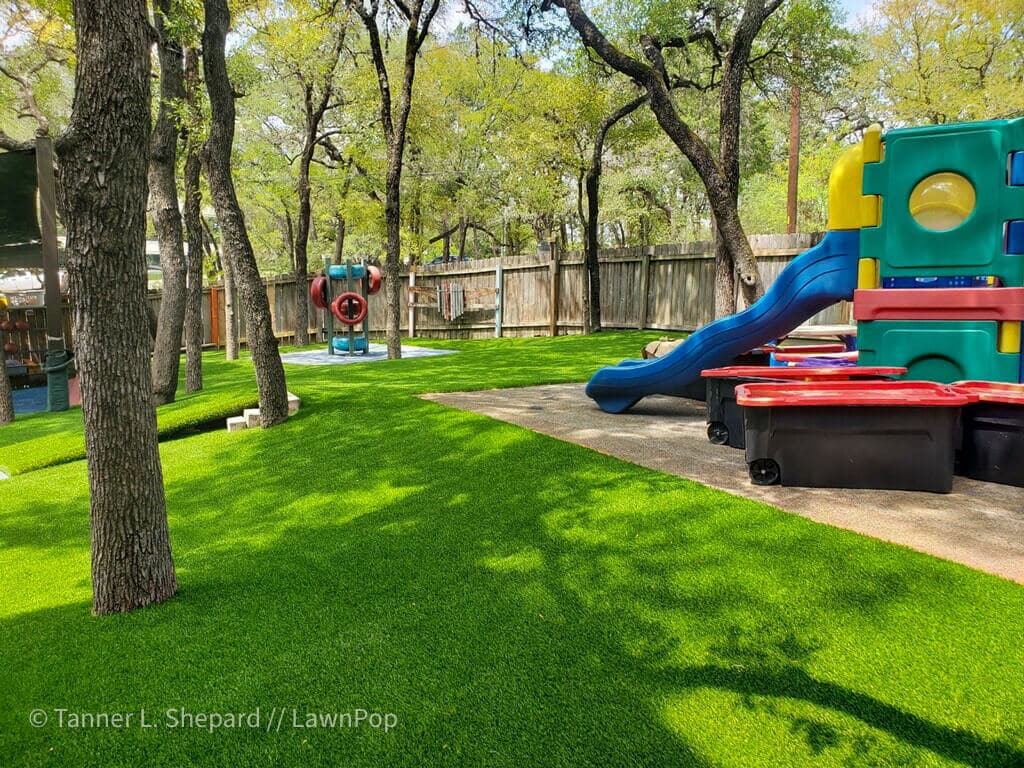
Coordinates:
(301,248)
(392,259)
(163,196)
(6,396)
(104,158)
(194,332)
(194,232)
(259,327)
(230,313)
(463,229)
(339,237)
(592,244)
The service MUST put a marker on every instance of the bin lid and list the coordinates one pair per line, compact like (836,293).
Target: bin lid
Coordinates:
(791,356)
(855,393)
(825,372)
(993,391)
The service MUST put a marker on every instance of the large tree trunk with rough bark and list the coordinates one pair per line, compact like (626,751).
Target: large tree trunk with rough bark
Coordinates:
(163,197)
(192,215)
(237,249)
(104,158)
(6,396)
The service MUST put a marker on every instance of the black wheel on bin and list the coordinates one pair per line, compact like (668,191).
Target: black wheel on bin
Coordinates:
(764,472)
(718,433)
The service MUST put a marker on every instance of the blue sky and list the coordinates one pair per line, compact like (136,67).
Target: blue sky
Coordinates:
(854,8)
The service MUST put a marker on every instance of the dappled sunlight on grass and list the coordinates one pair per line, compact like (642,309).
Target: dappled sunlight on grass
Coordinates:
(514,599)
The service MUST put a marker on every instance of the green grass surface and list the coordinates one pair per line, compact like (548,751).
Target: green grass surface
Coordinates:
(39,440)
(514,600)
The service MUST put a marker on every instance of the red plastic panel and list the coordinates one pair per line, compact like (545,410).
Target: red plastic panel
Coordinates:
(939,304)
(847,393)
(993,391)
(801,374)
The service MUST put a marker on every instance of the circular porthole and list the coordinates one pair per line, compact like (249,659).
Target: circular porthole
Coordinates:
(942,201)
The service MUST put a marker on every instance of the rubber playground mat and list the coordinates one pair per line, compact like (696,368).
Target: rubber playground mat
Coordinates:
(377,353)
(979,524)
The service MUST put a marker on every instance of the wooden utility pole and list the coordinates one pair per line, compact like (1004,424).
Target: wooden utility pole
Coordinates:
(794,159)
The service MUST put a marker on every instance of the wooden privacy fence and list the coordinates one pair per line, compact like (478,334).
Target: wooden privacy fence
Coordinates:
(664,287)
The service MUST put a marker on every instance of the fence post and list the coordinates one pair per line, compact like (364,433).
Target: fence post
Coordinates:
(412,301)
(645,286)
(499,287)
(555,293)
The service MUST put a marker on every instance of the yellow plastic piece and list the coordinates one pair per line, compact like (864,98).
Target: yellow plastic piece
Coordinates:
(872,142)
(868,275)
(942,201)
(847,207)
(1010,337)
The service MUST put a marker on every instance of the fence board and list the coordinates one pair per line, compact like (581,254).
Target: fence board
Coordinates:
(680,292)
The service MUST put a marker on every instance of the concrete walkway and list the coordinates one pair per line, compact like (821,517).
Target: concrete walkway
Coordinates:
(980,524)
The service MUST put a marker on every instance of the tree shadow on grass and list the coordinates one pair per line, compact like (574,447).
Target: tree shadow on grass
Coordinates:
(514,599)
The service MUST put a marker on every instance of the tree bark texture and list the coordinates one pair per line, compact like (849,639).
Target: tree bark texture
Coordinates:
(163,198)
(237,249)
(6,395)
(104,159)
(193,215)
(194,233)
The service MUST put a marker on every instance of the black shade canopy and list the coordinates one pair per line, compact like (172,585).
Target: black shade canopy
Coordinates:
(20,240)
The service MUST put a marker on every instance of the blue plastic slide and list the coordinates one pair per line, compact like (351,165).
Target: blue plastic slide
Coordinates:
(813,281)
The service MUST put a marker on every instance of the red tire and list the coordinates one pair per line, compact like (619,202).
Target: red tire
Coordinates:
(318,292)
(350,308)
(7,325)
(10,348)
(375,277)
(21,325)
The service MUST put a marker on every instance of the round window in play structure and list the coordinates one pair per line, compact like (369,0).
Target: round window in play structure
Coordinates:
(942,201)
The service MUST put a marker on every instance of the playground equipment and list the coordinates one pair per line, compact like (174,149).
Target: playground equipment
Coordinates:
(926,235)
(940,209)
(350,306)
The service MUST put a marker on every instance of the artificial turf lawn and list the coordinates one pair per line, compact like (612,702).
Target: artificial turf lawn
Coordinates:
(513,599)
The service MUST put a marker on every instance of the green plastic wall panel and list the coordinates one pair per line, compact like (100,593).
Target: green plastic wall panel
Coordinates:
(977,151)
(936,350)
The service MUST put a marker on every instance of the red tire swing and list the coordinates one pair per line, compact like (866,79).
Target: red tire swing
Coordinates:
(374,277)
(318,292)
(350,308)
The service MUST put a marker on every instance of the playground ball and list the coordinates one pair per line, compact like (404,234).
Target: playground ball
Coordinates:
(21,325)
(10,348)
(942,201)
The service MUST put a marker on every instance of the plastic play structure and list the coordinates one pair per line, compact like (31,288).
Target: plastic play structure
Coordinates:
(926,236)
(345,290)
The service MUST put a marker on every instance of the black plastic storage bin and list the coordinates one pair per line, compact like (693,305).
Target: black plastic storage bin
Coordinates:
(885,435)
(993,444)
(725,416)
